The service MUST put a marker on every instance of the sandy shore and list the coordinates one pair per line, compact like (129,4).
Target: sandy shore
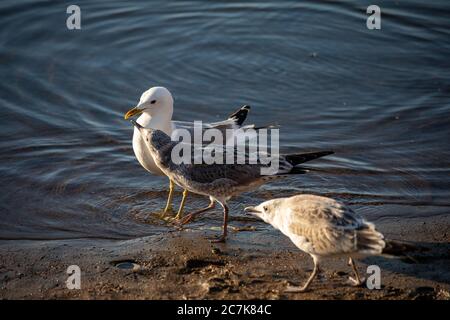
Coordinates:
(253,264)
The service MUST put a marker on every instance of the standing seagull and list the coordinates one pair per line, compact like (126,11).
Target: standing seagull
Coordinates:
(155,109)
(323,227)
(218,181)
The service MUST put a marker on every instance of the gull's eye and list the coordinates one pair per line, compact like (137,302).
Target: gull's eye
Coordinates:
(153,101)
(265,208)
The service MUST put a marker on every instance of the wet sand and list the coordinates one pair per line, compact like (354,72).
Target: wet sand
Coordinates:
(251,265)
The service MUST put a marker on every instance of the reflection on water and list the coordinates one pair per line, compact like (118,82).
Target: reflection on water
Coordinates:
(380,99)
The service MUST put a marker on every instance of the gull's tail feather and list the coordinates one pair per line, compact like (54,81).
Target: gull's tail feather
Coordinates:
(295,159)
(368,240)
(240,115)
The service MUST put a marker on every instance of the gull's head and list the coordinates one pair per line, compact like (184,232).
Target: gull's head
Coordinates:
(156,101)
(266,210)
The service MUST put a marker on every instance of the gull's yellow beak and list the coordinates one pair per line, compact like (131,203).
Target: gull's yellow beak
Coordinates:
(132,112)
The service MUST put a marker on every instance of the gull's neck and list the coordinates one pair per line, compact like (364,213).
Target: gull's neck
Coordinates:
(161,122)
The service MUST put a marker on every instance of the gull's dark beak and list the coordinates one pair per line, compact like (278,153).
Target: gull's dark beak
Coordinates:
(132,112)
(251,210)
(137,125)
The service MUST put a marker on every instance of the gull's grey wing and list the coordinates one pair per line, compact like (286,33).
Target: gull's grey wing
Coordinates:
(323,240)
(178,134)
(234,121)
(243,155)
(324,211)
(330,227)
(197,152)
(237,174)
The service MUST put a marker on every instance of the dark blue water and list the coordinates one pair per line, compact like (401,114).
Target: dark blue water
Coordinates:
(379,98)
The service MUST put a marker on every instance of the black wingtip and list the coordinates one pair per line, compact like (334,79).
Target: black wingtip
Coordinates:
(240,115)
(268,126)
(296,159)
(298,170)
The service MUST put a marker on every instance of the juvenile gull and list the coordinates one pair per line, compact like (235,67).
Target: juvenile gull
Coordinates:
(323,227)
(155,109)
(218,181)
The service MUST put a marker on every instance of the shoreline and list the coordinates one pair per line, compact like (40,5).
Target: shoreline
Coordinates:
(251,265)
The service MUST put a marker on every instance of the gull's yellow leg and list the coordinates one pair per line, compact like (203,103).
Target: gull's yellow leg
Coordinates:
(180,210)
(168,207)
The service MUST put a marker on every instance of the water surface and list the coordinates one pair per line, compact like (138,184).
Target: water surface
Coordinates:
(379,98)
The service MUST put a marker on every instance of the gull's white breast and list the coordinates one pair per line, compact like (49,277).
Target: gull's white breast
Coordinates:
(143,155)
(141,151)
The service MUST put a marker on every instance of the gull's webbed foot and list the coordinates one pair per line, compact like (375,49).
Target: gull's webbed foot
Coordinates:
(356,282)
(295,289)
(221,239)
(180,210)
(168,209)
(186,219)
